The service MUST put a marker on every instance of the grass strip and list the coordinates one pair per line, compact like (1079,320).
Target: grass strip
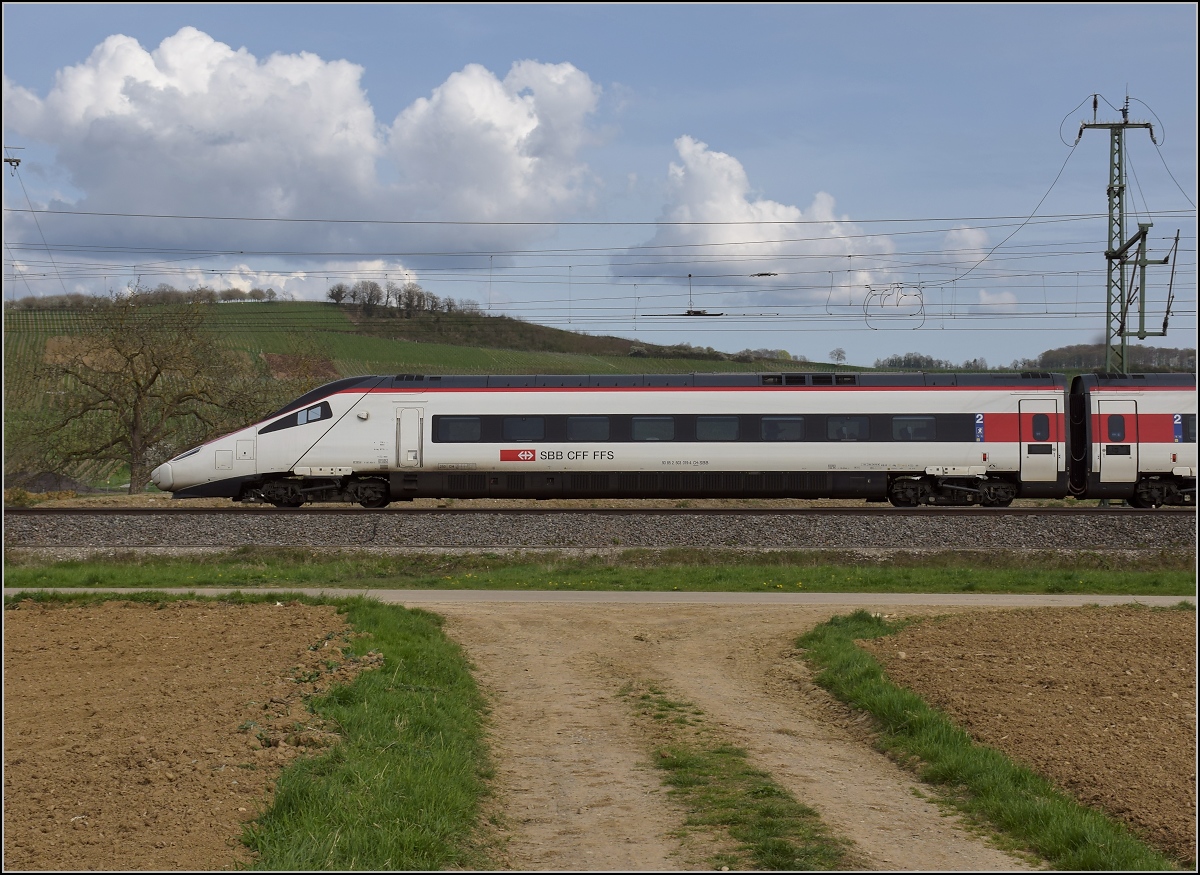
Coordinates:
(980,781)
(627,571)
(770,829)
(402,789)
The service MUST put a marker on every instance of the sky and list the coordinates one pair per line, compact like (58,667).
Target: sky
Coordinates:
(876,179)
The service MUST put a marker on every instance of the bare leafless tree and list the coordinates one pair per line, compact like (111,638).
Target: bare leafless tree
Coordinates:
(141,383)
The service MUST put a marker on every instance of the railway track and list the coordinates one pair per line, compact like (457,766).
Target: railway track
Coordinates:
(865,510)
(840,528)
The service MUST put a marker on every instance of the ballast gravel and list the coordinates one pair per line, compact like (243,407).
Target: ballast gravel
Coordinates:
(599,529)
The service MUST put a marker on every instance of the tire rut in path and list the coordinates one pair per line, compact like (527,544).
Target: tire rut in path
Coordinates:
(573,774)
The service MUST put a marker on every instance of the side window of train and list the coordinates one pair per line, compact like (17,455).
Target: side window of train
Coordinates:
(587,428)
(848,428)
(716,428)
(1189,428)
(1041,427)
(783,428)
(458,429)
(314,413)
(913,428)
(654,428)
(1116,427)
(524,428)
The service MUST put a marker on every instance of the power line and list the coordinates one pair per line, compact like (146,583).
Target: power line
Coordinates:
(544,223)
(15,163)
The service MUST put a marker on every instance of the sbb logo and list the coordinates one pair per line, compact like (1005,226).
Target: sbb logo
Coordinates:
(517,455)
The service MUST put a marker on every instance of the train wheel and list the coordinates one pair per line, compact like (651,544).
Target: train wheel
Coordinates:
(282,493)
(997,493)
(907,492)
(371,493)
(1148,494)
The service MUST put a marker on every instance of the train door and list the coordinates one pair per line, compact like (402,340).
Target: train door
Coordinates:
(1116,436)
(1040,433)
(408,436)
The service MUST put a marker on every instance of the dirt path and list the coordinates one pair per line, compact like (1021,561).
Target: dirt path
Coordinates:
(126,747)
(579,791)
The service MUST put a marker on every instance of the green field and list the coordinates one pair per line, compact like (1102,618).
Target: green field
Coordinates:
(1170,574)
(354,348)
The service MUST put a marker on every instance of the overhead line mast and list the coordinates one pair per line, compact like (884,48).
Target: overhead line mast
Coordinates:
(1122,290)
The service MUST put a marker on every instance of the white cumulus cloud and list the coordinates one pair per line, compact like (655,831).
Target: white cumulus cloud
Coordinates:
(497,149)
(195,127)
(715,227)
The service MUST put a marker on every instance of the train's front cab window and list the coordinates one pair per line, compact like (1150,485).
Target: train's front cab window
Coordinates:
(316,413)
(312,414)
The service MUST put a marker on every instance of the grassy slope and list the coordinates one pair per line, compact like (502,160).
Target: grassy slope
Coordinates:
(436,345)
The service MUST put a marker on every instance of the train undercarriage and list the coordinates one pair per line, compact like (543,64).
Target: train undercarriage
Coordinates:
(915,490)
(372,492)
(1155,491)
(902,490)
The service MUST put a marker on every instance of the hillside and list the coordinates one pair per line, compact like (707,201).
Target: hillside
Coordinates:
(342,341)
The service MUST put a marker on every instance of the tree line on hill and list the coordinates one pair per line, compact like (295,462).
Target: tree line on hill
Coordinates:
(401,299)
(161,294)
(1086,357)
(1080,357)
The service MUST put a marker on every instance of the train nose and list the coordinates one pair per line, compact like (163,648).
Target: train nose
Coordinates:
(162,476)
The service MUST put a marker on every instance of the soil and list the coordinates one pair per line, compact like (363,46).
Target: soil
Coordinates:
(1107,711)
(132,735)
(138,738)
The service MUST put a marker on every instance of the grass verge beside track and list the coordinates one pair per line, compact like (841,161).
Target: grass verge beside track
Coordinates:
(1167,573)
(978,780)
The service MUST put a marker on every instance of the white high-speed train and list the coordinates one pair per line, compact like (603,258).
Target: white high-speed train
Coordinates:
(912,439)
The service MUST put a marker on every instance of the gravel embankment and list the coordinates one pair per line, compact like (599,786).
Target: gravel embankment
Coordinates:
(1134,531)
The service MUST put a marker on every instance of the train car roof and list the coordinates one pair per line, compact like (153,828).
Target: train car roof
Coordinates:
(709,380)
(1090,382)
(364,383)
